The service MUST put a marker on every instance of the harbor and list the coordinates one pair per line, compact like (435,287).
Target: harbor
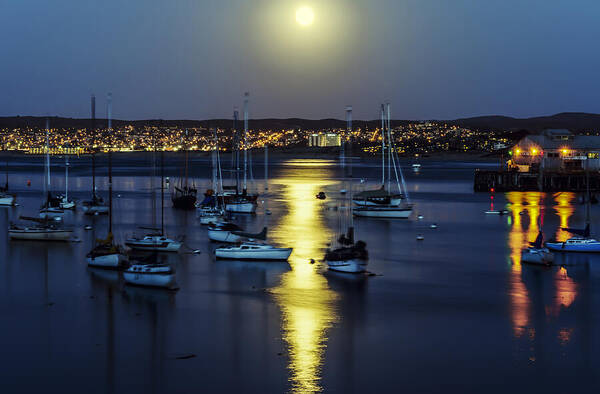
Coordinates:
(295,326)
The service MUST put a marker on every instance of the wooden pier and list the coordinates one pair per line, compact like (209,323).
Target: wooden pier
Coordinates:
(502,181)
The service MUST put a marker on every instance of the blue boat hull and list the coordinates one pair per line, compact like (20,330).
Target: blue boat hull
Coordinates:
(564,247)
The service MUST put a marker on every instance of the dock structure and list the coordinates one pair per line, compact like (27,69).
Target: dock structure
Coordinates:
(502,181)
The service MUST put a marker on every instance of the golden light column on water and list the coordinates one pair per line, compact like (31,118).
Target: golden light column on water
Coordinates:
(306,301)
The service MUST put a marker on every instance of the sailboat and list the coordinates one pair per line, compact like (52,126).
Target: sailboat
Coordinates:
(96,205)
(381,202)
(39,230)
(209,210)
(155,241)
(150,274)
(51,207)
(241,202)
(65,201)
(582,242)
(6,199)
(536,253)
(349,256)
(184,195)
(106,253)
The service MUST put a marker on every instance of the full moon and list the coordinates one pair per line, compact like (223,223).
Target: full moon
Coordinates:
(305,16)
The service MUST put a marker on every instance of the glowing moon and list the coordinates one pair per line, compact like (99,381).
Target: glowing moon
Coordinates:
(305,16)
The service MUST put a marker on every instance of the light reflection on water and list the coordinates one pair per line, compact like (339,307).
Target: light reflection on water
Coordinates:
(526,285)
(307,303)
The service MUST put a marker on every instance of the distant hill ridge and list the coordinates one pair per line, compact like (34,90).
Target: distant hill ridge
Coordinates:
(575,121)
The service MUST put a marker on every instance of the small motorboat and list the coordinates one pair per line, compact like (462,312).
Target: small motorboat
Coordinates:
(153,275)
(416,167)
(66,203)
(420,237)
(253,251)
(95,206)
(496,212)
(536,253)
(321,196)
(153,242)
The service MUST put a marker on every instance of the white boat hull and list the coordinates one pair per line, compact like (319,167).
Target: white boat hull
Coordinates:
(107,261)
(7,200)
(154,247)
(366,203)
(246,207)
(149,279)
(271,254)
(67,205)
(593,247)
(209,219)
(537,256)
(40,235)
(353,266)
(224,236)
(383,212)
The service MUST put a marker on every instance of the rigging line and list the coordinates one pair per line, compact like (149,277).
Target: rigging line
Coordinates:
(405,189)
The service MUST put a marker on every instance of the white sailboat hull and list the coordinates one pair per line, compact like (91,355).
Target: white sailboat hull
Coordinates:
(366,203)
(590,247)
(107,261)
(149,279)
(271,254)
(224,236)
(353,266)
(40,235)
(383,212)
(246,207)
(537,256)
(154,247)
(7,200)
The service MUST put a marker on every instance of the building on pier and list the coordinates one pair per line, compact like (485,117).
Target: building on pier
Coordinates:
(556,150)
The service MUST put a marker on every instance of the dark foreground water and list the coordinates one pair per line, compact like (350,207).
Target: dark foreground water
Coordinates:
(454,313)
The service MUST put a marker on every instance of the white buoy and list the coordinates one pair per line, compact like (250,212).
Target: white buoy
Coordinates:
(420,217)
(88,227)
(433,226)
(420,237)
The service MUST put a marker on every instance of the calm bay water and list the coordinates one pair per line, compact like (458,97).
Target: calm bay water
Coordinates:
(457,312)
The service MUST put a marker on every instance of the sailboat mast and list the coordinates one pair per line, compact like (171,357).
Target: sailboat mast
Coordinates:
(389,135)
(382,146)
(246,95)
(349,136)
(47,160)
(214,165)
(186,159)
(236,147)
(93,110)
(589,199)
(66,176)
(266,167)
(109,129)
(162,192)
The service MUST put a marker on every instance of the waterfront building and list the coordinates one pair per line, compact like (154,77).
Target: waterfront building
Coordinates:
(556,150)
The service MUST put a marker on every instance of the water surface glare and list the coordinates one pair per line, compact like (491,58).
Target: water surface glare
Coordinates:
(456,312)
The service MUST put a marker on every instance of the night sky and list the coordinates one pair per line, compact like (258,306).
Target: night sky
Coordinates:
(193,59)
